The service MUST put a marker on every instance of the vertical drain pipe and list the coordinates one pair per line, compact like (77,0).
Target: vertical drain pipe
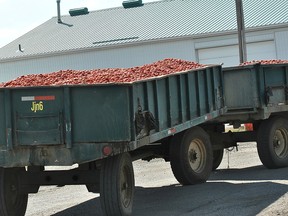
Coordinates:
(58,11)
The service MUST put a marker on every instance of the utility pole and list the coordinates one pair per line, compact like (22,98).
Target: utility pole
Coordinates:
(241,31)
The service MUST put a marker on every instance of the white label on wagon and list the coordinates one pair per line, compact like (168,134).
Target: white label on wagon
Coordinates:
(34,98)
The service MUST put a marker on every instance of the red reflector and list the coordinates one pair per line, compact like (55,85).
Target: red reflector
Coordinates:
(248,126)
(107,150)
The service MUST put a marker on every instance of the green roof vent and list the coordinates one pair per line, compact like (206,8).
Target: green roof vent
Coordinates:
(132,3)
(78,11)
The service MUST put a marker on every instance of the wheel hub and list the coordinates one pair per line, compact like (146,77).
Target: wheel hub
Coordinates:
(280,143)
(276,142)
(196,155)
(193,156)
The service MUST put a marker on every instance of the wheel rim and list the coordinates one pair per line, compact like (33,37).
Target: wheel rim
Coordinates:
(126,186)
(197,155)
(280,141)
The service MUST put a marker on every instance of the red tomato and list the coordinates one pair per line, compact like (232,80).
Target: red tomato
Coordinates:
(108,75)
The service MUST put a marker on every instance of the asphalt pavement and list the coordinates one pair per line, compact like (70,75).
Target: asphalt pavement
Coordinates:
(240,186)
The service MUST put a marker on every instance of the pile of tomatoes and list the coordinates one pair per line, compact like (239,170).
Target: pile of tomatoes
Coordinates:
(265,62)
(109,75)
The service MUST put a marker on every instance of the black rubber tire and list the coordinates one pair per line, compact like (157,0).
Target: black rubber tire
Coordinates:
(217,158)
(272,143)
(117,185)
(12,202)
(191,156)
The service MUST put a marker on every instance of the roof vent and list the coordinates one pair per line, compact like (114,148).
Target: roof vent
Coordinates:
(132,3)
(78,11)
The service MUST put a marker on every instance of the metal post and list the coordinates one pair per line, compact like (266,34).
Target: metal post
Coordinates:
(241,31)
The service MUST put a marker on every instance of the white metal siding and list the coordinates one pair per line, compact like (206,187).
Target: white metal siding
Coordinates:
(229,55)
(282,44)
(226,40)
(269,44)
(118,57)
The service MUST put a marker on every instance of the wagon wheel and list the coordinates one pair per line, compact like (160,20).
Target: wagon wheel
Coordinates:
(12,202)
(191,156)
(117,185)
(272,142)
(217,158)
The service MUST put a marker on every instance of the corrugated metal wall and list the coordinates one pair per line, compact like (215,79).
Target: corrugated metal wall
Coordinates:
(128,56)
(229,55)
(225,50)
(118,57)
(282,44)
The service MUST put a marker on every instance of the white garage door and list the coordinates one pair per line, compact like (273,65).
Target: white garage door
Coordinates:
(229,55)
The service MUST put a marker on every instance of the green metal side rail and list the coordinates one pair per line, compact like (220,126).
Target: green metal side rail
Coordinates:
(255,92)
(64,125)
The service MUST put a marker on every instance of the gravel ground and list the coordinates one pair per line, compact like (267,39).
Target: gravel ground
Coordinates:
(240,186)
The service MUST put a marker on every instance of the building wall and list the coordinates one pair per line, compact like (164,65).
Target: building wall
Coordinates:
(123,56)
(213,50)
(281,38)
(269,44)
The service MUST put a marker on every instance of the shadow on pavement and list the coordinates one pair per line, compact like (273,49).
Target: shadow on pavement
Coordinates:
(212,198)
(250,173)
